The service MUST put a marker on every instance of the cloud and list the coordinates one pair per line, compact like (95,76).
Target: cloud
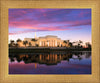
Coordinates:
(48,19)
(81,23)
(57,28)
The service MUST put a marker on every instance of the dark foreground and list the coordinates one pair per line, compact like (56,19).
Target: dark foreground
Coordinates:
(50,63)
(45,49)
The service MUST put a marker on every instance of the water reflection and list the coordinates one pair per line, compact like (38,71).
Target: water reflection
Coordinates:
(49,58)
(50,63)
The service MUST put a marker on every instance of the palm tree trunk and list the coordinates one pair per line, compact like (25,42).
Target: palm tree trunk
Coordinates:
(25,45)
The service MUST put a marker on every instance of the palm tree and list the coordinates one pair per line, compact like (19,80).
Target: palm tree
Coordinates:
(65,41)
(12,43)
(88,45)
(37,45)
(19,40)
(70,44)
(25,42)
(16,45)
(34,39)
(30,44)
(68,41)
(75,44)
(79,43)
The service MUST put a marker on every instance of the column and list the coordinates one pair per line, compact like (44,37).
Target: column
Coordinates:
(56,43)
(43,43)
(53,43)
(60,44)
(40,43)
(48,43)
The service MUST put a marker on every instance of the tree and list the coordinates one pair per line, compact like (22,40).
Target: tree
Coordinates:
(65,41)
(25,42)
(79,43)
(19,40)
(88,45)
(12,43)
(70,44)
(34,39)
(9,45)
(58,46)
(16,45)
(68,41)
(30,44)
(37,45)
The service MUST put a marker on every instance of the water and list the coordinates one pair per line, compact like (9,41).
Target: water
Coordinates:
(50,63)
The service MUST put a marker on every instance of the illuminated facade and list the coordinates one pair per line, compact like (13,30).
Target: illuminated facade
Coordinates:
(47,41)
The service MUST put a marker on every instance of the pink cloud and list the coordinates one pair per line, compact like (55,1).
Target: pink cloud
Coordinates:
(44,20)
(20,32)
(29,24)
(32,27)
(44,29)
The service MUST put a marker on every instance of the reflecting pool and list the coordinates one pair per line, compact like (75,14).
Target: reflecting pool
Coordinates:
(50,63)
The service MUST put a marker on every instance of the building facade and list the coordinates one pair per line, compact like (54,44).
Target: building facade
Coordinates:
(47,41)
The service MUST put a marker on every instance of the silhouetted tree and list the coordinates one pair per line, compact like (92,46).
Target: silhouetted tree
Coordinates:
(65,41)
(79,43)
(34,39)
(12,43)
(25,42)
(68,41)
(70,44)
(30,44)
(88,45)
(37,45)
(16,45)
(19,40)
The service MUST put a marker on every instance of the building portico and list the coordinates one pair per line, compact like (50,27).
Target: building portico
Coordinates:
(49,41)
(46,41)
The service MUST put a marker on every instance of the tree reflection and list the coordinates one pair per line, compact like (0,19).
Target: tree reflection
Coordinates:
(48,58)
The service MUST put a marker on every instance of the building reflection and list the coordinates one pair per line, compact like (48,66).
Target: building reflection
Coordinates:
(48,58)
